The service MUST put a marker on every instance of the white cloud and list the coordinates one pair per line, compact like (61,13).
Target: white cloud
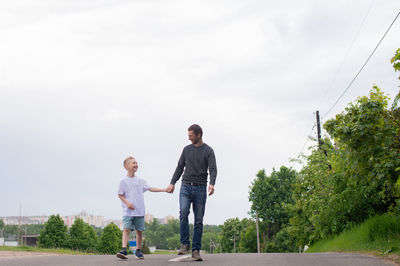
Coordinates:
(86,83)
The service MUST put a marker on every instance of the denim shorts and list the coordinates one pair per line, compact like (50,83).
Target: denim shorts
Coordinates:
(133,223)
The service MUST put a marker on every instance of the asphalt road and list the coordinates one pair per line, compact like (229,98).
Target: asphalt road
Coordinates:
(279,259)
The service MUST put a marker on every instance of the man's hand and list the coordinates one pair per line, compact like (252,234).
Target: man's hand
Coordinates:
(210,190)
(170,188)
(130,206)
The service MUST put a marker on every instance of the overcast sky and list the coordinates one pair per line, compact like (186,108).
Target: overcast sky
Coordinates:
(84,84)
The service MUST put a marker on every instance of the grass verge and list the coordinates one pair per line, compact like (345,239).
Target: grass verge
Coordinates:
(44,250)
(164,251)
(379,236)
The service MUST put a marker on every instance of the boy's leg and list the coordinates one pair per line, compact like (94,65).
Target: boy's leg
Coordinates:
(138,239)
(139,226)
(128,226)
(125,237)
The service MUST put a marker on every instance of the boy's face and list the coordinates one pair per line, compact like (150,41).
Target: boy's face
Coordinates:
(193,138)
(132,165)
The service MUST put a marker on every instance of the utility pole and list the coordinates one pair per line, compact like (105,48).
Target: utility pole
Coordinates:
(258,236)
(234,243)
(319,137)
(318,130)
(19,225)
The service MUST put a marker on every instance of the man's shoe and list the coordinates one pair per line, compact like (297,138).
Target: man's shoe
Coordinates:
(196,255)
(139,255)
(183,250)
(122,254)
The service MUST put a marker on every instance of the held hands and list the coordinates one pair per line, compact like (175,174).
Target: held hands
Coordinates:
(170,188)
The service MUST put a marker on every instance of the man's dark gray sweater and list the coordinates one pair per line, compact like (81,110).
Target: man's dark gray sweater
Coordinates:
(194,162)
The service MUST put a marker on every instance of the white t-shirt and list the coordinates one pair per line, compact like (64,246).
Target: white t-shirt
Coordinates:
(132,188)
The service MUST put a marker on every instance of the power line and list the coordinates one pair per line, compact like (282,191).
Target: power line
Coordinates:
(307,138)
(361,69)
(340,68)
(355,77)
(347,52)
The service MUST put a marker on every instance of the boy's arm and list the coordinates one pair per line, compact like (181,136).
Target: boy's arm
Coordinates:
(154,189)
(128,204)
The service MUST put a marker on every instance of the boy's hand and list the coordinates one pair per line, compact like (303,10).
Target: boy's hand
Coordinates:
(210,190)
(130,206)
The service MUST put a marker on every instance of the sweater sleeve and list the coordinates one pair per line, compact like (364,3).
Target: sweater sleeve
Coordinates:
(179,168)
(212,167)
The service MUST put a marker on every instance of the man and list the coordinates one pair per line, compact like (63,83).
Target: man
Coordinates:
(194,162)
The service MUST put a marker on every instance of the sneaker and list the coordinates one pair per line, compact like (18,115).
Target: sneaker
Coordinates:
(196,255)
(122,254)
(183,250)
(139,255)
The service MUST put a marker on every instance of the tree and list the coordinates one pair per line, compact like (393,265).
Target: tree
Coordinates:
(248,239)
(91,238)
(367,137)
(54,234)
(357,176)
(231,230)
(283,242)
(82,236)
(110,240)
(269,196)
(396,61)
(77,235)
(173,242)
(1,227)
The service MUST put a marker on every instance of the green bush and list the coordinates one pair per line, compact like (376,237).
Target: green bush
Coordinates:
(54,234)
(110,240)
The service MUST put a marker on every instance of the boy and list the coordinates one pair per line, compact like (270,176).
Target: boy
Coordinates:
(130,192)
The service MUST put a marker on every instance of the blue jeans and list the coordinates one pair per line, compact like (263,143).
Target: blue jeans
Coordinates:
(197,195)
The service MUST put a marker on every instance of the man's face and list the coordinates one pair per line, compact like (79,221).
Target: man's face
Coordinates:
(132,165)
(193,138)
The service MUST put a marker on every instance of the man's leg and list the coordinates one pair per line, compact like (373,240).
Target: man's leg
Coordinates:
(184,206)
(199,204)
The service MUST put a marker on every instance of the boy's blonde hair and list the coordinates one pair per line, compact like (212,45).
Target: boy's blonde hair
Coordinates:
(126,160)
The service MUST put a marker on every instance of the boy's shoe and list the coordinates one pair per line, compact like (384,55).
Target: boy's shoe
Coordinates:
(122,254)
(139,255)
(183,250)
(196,255)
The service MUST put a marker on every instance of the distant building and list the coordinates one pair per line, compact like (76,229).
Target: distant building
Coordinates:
(30,240)
(169,218)
(94,220)
(148,218)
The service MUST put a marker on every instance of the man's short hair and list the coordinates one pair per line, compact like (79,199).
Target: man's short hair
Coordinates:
(127,159)
(196,130)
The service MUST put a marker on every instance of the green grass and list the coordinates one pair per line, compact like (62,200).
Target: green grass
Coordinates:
(45,250)
(379,235)
(164,251)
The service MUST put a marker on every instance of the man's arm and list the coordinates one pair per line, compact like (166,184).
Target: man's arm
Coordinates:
(178,172)
(212,168)
(128,204)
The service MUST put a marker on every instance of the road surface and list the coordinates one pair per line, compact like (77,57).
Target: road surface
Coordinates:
(279,259)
